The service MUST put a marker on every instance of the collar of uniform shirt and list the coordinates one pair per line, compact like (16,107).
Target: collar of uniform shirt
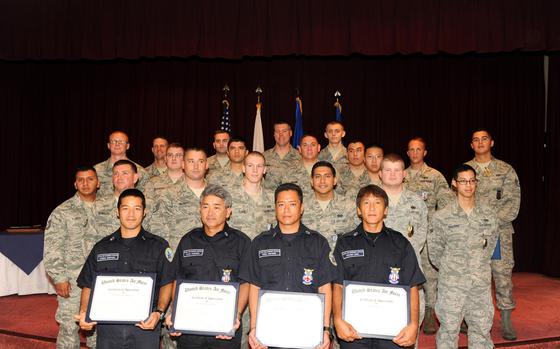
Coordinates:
(277,233)
(117,235)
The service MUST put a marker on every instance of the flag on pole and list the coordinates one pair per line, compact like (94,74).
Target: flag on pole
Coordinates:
(258,138)
(338,106)
(225,124)
(298,132)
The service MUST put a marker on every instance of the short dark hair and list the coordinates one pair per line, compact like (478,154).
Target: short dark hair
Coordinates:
(236,140)
(481,129)
(217,132)
(84,168)
(374,190)
(126,162)
(323,164)
(194,149)
(286,187)
(132,192)
(374,145)
(308,135)
(334,122)
(462,168)
(282,122)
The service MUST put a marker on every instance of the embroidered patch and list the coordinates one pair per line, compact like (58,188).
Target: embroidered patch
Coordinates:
(273,252)
(195,252)
(106,257)
(169,254)
(394,276)
(353,254)
(226,275)
(307,278)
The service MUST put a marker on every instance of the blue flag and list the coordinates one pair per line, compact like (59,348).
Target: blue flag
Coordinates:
(298,132)
(225,124)
(338,107)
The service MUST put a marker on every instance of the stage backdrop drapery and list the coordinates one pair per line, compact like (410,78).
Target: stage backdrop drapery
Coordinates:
(108,29)
(549,238)
(58,114)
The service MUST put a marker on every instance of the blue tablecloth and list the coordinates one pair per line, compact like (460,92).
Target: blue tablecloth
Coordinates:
(24,249)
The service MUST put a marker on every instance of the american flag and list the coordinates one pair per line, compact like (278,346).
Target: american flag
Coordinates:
(225,125)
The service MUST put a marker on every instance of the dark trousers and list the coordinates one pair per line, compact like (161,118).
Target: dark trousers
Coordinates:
(127,337)
(187,341)
(368,343)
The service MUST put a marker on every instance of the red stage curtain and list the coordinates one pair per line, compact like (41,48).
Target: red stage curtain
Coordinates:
(109,29)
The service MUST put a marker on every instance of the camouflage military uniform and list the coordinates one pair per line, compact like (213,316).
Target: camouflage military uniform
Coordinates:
(250,216)
(339,217)
(155,187)
(153,171)
(298,174)
(352,192)
(498,187)
(226,178)
(176,212)
(276,167)
(430,185)
(341,160)
(105,218)
(64,255)
(214,164)
(348,183)
(460,247)
(105,175)
(410,218)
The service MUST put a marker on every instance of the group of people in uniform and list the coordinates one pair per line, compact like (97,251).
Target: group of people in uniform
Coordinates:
(301,220)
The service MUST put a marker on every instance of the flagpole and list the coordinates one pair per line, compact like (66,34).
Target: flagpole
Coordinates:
(258,137)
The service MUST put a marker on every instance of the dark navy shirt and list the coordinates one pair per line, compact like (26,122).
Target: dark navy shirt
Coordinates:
(385,258)
(145,253)
(296,262)
(217,258)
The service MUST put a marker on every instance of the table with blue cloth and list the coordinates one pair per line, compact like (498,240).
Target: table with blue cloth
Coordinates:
(21,264)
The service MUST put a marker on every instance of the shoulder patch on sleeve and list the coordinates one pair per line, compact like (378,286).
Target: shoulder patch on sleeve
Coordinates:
(169,254)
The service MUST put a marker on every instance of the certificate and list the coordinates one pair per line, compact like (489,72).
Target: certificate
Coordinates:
(121,298)
(205,308)
(290,319)
(376,310)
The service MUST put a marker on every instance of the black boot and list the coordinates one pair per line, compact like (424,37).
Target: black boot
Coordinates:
(508,332)
(430,322)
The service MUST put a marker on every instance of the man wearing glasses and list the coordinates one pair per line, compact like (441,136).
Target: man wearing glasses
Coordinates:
(498,187)
(461,245)
(117,145)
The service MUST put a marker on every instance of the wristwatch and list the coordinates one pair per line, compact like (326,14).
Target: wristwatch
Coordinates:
(328,330)
(161,314)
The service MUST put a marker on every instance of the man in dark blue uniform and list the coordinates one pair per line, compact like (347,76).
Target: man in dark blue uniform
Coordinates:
(213,252)
(132,250)
(374,253)
(289,257)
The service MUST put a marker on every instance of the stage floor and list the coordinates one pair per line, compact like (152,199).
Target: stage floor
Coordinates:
(28,321)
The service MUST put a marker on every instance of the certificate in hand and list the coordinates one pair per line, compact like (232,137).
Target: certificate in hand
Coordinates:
(121,298)
(205,308)
(290,319)
(376,310)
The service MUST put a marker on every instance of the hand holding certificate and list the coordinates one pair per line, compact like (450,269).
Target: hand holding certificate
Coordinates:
(121,298)
(376,310)
(205,308)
